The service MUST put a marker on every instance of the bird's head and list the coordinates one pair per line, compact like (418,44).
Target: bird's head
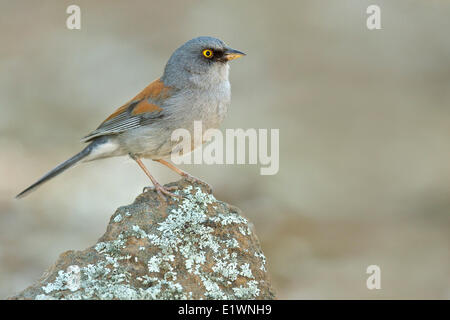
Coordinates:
(202,59)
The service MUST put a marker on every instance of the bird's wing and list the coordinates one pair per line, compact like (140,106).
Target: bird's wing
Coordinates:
(143,109)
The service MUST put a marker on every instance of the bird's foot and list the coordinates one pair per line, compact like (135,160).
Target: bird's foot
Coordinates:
(162,191)
(193,179)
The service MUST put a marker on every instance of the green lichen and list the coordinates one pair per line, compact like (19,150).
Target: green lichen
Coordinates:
(262,257)
(69,279)
(250,291)
(246,271)
(187,232)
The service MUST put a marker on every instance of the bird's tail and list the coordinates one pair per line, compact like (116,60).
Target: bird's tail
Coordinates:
(59,169)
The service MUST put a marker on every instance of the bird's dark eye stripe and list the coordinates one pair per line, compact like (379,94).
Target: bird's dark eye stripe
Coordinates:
(217,53)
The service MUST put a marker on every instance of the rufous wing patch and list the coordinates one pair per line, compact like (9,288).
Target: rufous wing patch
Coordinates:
(145,106)
(154,91)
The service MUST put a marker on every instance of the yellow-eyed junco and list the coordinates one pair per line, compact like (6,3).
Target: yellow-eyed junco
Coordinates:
(194,87)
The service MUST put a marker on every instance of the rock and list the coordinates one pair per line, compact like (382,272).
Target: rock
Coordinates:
(193,248)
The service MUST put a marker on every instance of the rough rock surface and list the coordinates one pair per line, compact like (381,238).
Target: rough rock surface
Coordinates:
(193,248)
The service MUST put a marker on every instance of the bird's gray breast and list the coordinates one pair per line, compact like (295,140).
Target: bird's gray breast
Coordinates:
(212,105)
(206,104)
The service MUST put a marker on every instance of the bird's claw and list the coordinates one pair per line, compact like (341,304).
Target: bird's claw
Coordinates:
(162,191)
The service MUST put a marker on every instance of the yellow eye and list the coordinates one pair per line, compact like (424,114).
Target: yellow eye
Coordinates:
(207,53)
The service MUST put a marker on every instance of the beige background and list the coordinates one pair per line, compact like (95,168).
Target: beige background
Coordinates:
(364,120)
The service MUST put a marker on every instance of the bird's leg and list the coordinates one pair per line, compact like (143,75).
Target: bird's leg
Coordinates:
(182,173)
(159,188)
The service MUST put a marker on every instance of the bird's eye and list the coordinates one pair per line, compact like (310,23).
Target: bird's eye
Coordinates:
(207,53)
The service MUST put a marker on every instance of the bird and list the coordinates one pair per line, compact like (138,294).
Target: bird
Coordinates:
(194,86)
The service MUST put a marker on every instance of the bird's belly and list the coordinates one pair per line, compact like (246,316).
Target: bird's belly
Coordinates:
(147,142)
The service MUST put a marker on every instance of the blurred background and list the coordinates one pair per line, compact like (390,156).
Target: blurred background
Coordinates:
(364,119)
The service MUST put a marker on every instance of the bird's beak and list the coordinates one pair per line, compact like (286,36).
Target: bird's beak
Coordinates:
(231,54)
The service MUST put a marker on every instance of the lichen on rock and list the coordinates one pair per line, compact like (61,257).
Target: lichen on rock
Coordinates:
(195,247)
